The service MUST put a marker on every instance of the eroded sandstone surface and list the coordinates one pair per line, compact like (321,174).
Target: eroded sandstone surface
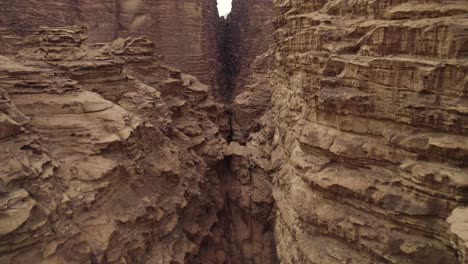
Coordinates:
(247,34)
(340,133)
(108,154)
(369,119)
(185,32)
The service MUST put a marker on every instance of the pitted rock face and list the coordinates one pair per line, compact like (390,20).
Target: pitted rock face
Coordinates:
(369,107)
(346,139)
(126,179)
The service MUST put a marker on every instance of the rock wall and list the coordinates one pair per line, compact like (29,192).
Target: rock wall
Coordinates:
(107,155)
(347,143)
(248,217)
(370,120)
(248,33)
(185,32)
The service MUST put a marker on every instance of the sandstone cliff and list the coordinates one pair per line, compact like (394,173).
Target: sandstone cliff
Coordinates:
(347,138)
(248,63)
(247,33)
(108,155)
(370,120)
(249,214)
(185,32)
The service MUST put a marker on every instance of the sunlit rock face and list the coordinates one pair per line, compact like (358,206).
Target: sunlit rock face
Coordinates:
(370,117)
(185,32)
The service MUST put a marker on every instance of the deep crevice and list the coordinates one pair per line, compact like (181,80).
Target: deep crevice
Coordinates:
(228,61)
(245,223)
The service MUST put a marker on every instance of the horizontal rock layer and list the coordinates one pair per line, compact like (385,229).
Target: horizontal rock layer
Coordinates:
(352,149)
(185,32)
(369,109)
(107,155)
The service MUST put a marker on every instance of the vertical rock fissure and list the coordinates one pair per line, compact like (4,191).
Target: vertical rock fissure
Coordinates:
(228,47)
(248,203)
(228,175)
(345,141)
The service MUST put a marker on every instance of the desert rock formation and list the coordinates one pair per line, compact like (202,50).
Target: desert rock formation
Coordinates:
(370,121)
(247,34)
(185,32)
(108,154)
(327,131)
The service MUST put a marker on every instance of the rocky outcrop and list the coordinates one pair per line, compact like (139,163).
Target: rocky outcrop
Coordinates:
(108,155)
(370,120)
(347,138)
(185,32)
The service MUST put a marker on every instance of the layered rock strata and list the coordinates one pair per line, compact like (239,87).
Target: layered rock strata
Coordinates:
(108,155)
(353,148)
(370,119)
(185,32)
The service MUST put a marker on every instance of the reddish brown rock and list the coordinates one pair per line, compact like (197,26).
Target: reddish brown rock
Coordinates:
(108,155)
(370,117)
(248,218)
(247,33)
(347,141)
(185,32)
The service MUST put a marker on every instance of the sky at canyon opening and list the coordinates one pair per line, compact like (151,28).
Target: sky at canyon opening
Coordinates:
(224,7)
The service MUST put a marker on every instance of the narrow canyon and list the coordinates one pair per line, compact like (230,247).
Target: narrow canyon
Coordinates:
(289,131)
